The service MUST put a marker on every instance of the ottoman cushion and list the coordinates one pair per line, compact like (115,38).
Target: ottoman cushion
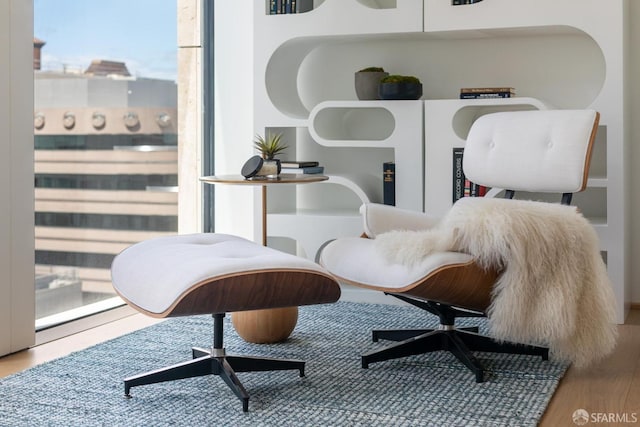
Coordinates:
(208,273)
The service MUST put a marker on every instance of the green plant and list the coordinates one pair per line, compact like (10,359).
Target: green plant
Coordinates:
(394,78)
(372,70)
(270,146)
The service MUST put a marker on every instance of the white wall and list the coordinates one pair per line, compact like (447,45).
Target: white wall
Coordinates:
(17,293)
(234,210)
(234,121)
(634,70)
(235,205)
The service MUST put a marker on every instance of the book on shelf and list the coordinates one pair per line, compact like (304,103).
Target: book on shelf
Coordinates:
(462,187)
(491,95)
(460,2)
(458,174)
(298,164)
(471,189)
(281,7)
(486,89)
(389,183)
(487,92)
(304,170)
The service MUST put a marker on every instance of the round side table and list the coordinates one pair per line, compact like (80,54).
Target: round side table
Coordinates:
(270,325)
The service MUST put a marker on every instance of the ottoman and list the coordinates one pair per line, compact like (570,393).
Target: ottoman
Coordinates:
(211,273)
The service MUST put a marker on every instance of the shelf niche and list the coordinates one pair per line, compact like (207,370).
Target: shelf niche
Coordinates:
(465,116)
(379,4)
(363,124)
(305,71)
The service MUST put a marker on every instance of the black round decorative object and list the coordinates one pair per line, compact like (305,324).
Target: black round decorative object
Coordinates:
(400,90)
(252,166)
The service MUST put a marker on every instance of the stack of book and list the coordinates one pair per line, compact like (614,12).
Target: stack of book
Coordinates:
(459,2)
(279,7)
(487,92)
(294,166)
(462,187)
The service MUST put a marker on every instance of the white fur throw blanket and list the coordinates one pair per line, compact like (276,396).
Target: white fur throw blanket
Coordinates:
(553,290)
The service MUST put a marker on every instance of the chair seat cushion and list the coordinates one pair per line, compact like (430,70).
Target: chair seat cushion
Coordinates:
(215,273)
(357,261)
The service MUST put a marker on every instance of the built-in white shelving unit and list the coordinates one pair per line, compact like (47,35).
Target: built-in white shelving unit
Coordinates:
(568,54)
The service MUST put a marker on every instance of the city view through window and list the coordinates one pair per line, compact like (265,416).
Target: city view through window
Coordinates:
(105,135)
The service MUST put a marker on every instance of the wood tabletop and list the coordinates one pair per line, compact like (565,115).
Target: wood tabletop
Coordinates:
(283,178)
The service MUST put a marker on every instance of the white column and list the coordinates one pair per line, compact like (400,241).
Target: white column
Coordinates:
(17,293)
(189,116)
(237,207)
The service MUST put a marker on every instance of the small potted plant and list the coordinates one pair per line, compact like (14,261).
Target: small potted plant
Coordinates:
(400,87)
(269,147)
(367,81)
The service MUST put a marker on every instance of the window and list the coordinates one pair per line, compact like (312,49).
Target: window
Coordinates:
(105,132)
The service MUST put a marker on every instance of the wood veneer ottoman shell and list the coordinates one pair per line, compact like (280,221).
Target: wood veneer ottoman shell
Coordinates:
(206,273)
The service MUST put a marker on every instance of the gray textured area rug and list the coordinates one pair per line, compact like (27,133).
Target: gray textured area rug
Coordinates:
(86,389)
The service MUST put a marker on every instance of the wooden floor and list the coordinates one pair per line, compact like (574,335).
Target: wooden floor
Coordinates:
(612,387)
(609,389)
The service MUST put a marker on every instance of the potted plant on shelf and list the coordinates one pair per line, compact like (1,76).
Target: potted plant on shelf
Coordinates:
(400,87)
(367,81)
(269,147)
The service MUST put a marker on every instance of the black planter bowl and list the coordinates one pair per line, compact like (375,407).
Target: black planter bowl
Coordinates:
(400,90)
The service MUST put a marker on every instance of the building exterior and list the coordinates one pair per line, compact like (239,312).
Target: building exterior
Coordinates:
(105,176)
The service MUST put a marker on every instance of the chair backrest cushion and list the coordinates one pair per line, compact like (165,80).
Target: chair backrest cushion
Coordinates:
(537,151)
